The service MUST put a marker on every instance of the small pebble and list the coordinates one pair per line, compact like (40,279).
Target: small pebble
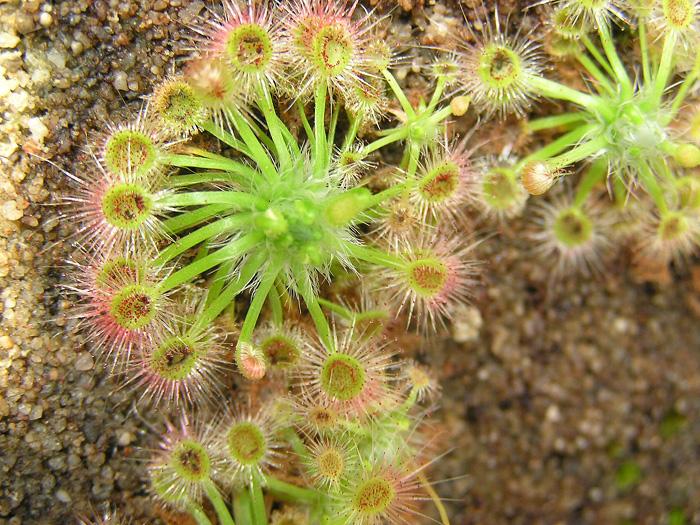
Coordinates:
(36,412)
(76,47)
(466,323)
(621,325)
(120,81)
(553,413)
(45,19)
(38,129)
(4,408)
(10,211)
(63,496)
(24,23)
(84,362)
(56,57)
(190,12)
(6,342)
(8,40)
(73,461)
(125,438)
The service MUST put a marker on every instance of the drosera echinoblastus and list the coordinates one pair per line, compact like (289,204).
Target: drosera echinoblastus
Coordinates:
(625,127)
(174,233)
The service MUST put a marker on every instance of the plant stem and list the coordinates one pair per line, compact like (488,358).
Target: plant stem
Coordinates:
(593,50)
(555,121)
(620,73)
(335,113)
(220,277)
(398,134)
(258,153)
(437,94)
(595,72)
(651,185)
(260,134)
(296,442)
(232,166)
(661,167)
(197,513)
(644,48)
(220,163)
(413,156)
(688,82)
(273,125)
(409,402)
(266,283)
(378,257)
(440,115)
(307,293)
(276,306)
(336,308)
(258,503)
(226,138)
(436,499)
(176,181)
(232,250)
(290,492)
(237,199)
(218,503)
(584,150)
(552,89)
(594,174)
(355,122)
(242,507)
(665,67)
(185,220)
(399,94)
(389,193)
(320,128)
(305,122)
(556,146)
(218,304)
(203,251)
(213,229)
(620,192)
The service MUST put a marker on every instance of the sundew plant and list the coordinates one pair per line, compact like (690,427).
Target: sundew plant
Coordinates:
(236,195)
(217,227)
(624,125)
